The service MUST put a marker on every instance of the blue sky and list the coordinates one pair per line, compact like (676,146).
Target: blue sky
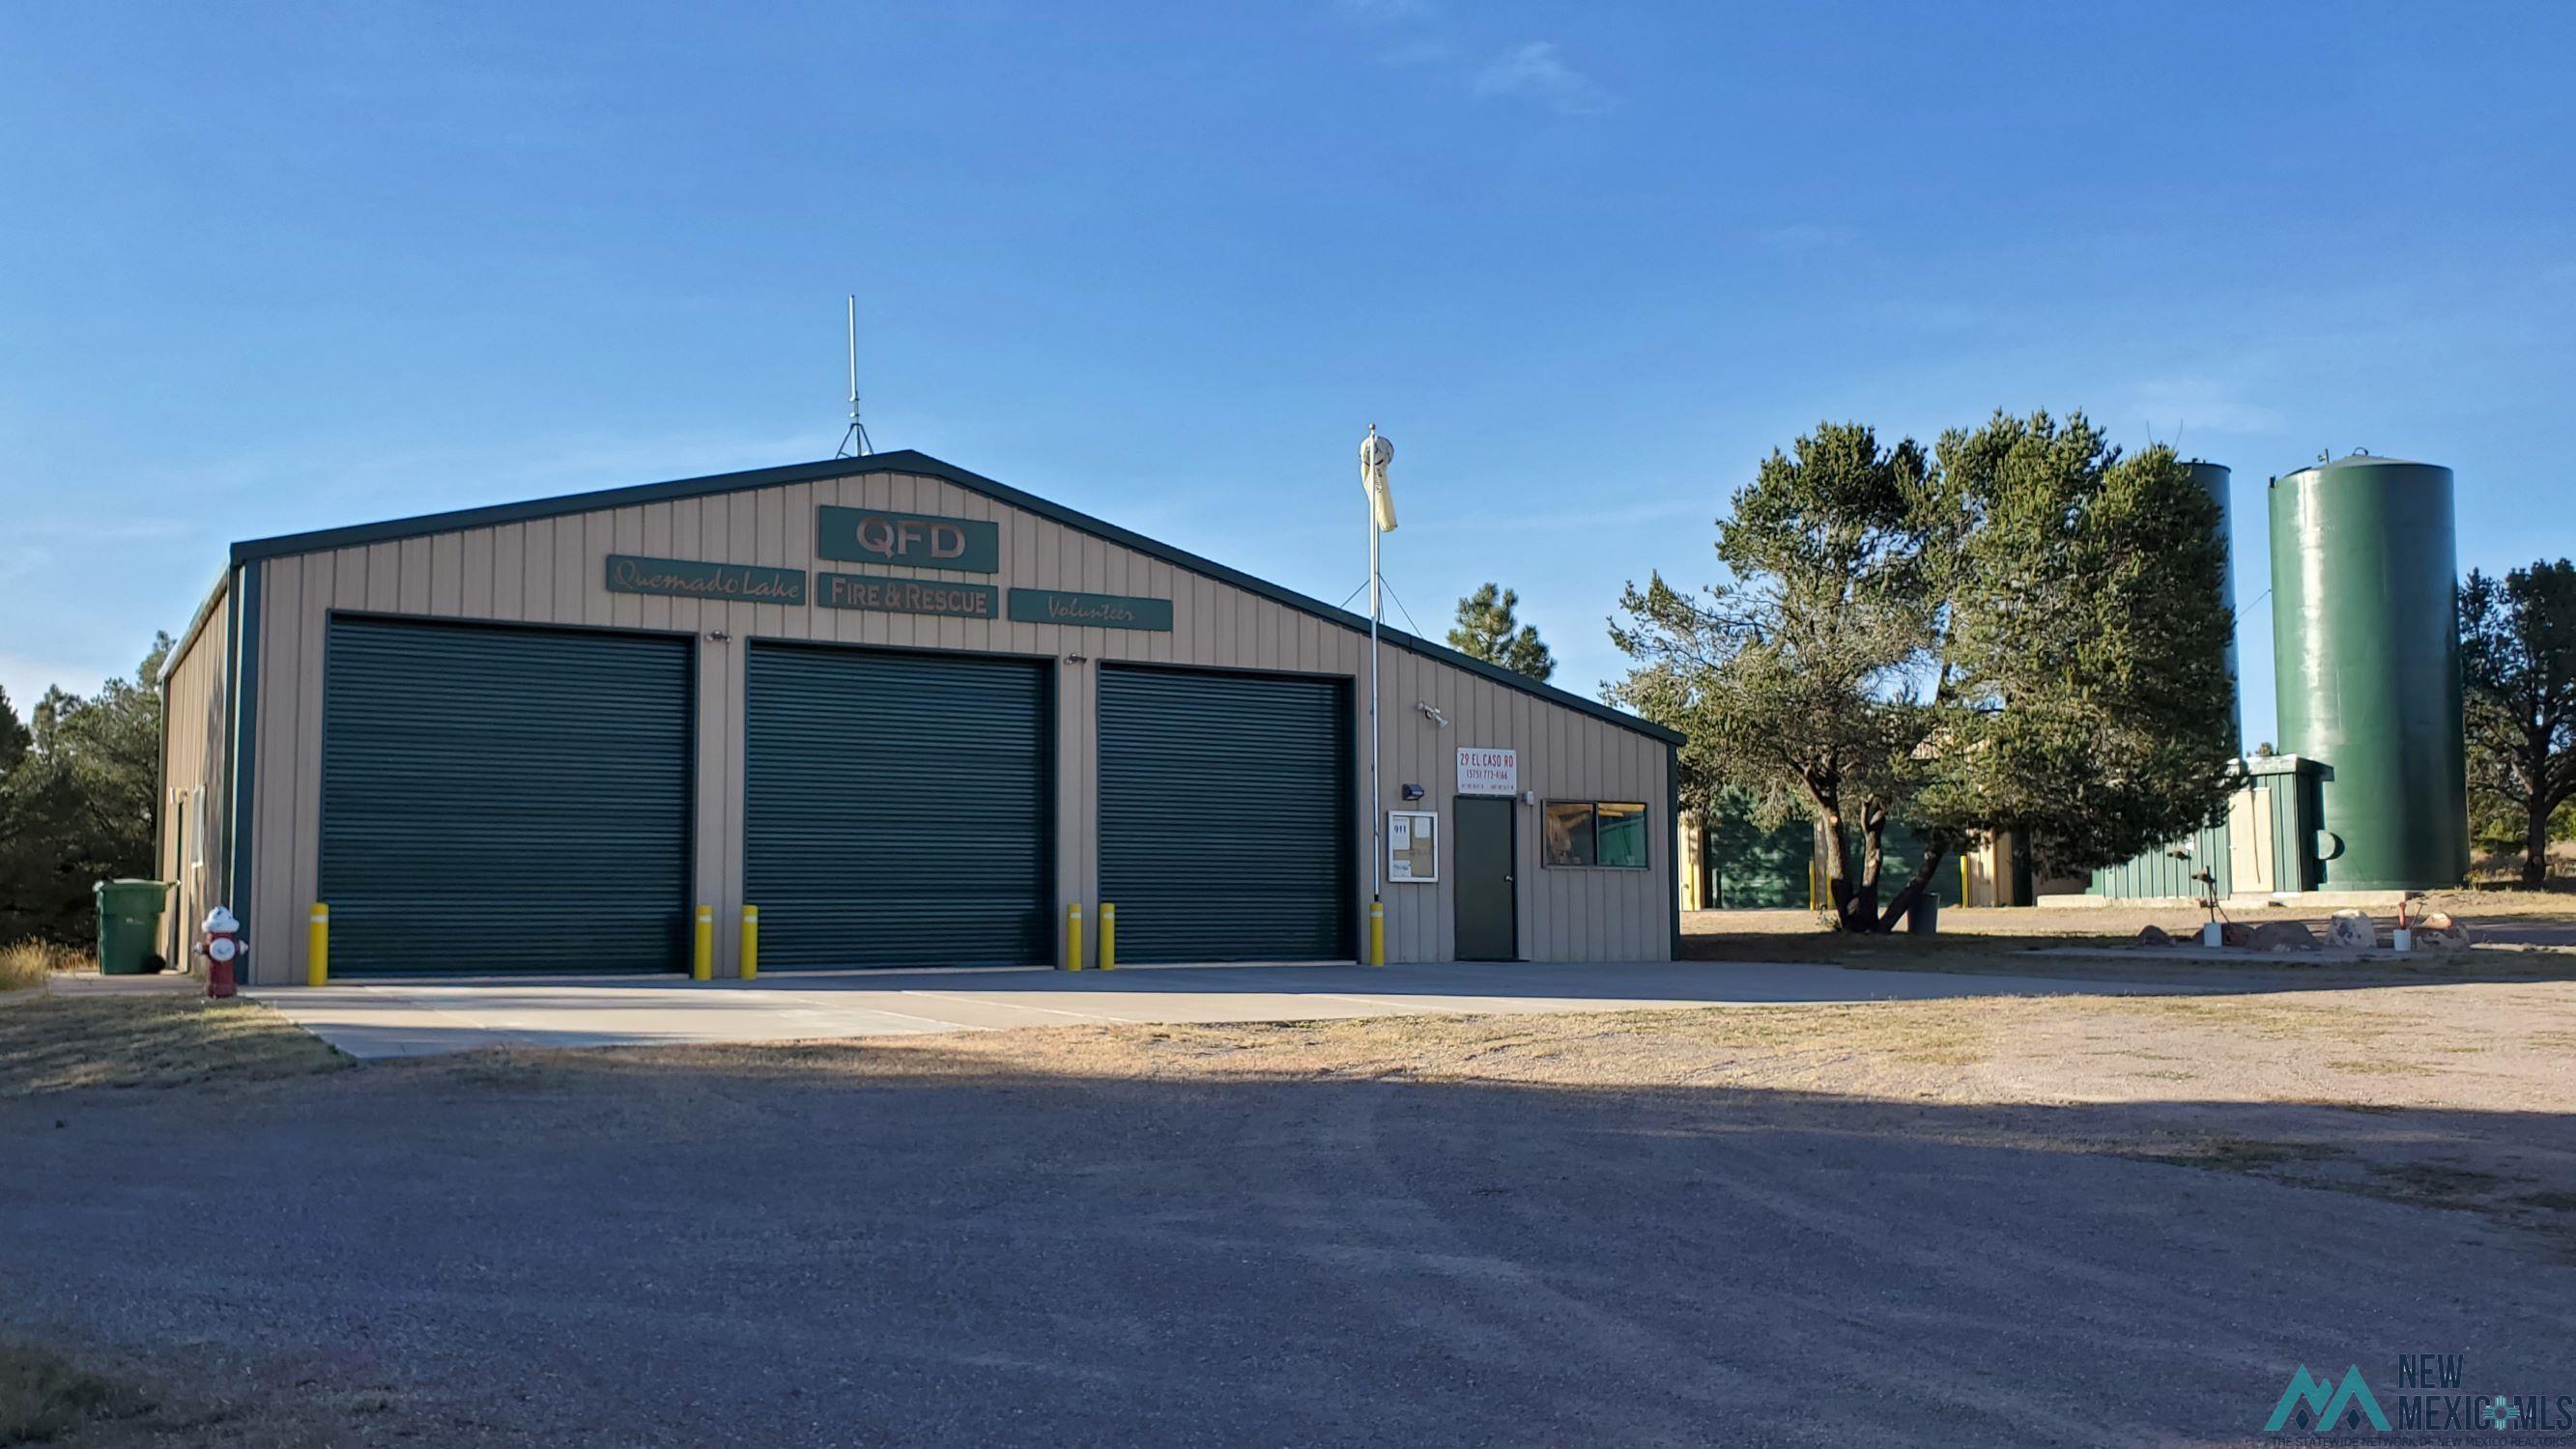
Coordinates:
(266,268)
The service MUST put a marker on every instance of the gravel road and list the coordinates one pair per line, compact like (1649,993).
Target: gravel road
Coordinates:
(1745,1228)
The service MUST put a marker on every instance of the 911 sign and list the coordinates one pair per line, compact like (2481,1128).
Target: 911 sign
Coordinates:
(1489,772)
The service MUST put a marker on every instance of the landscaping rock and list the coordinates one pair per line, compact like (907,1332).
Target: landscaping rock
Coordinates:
(2351,930)
(2283,936)
(2235,933)
(2442,931)
(2154,936)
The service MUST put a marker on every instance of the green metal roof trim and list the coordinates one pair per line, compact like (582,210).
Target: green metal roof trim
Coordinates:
(921,464)
(196,626)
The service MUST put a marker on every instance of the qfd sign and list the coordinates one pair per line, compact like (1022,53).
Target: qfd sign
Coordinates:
(916,540)
(1489,772)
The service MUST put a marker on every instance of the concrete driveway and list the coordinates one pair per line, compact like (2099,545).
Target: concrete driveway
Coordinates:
(396,1017)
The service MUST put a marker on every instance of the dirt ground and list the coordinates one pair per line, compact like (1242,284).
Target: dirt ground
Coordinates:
(2006,1221)
(2499,915)
(2518,935)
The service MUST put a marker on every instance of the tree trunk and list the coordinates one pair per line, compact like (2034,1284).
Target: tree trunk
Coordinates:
(1936,848)
(1863,911)
(1835,855)
(2535,841)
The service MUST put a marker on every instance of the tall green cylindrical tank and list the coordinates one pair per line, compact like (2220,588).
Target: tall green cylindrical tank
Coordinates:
(2213,479)
(2366,665)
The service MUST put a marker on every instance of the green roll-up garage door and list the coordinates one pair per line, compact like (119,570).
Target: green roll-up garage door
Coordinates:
(499,799)
(900,809)
(1225,816)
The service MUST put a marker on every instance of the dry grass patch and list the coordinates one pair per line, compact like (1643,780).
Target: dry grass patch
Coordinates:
(1801,1045)
(29,963)
(61,1043)
(44,1397)
(2269,1018)
(2381,1067)
(2232,1154)
(51,1396)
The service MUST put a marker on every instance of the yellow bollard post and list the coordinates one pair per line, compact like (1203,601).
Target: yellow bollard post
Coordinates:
(750,942)
(1073,937)
(702,959)
(317,946)
(1108,936)
(1377,932)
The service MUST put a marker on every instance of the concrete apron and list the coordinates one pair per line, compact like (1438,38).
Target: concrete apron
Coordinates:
(383,1017)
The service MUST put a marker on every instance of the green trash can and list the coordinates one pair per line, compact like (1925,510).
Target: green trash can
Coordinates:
(129,926)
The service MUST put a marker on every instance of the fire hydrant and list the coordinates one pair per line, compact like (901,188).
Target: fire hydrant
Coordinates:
(220,942)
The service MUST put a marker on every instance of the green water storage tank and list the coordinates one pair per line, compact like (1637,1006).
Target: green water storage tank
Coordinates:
(2366,666)
(2213,479)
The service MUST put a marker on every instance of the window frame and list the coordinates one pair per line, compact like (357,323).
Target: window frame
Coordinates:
(1592,814)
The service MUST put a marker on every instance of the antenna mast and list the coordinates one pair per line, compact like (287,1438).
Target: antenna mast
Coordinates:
(854,443)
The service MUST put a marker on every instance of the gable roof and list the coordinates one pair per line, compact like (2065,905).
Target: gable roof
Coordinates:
(921,464)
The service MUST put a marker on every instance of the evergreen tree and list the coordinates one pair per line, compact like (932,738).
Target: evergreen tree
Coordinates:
(13,736)
(2518,663)
(1488,629)
(77,801)
(2023,630)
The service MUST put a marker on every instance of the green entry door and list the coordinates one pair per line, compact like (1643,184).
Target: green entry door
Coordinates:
(1488,923)
(900,808)
(1225,815)
(503,799)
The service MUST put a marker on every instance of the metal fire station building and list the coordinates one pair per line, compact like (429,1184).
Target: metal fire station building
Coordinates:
(910,714)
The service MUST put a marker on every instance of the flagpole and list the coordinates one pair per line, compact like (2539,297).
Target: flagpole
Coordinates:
(1375,454)
(1377,821)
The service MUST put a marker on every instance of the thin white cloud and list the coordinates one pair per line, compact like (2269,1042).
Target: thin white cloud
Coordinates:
(1538,72)
(2179,404)
(1419,52)
(1384,12)
(26,677)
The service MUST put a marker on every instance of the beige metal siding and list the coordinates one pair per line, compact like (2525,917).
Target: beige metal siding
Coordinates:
(552,571)
(192,774)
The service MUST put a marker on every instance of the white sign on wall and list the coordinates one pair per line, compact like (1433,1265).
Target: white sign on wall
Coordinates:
(1489,772)
(1412,845)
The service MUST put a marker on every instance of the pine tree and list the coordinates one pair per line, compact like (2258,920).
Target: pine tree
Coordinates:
(1488,629)
(2022,629)
(2518,660)
(77,788)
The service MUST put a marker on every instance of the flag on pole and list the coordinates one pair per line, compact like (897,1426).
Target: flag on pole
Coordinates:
(1375,454)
